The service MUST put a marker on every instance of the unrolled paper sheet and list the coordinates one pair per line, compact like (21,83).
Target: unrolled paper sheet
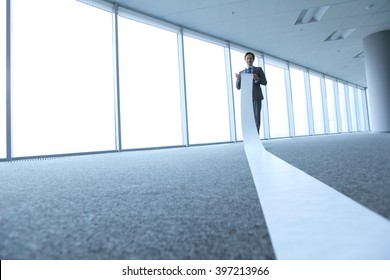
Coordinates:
(307,219)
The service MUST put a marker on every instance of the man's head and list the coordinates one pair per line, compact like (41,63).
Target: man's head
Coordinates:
(249,58)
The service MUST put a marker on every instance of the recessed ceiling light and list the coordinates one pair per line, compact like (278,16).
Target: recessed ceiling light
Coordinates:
(311,15)
(340,34)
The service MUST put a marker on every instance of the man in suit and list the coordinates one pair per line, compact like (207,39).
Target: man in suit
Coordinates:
(258,79)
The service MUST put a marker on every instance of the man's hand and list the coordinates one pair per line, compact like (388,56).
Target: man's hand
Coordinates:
(255,76)
(238,76)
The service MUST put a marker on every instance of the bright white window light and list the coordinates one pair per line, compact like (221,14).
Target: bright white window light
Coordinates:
(311,15)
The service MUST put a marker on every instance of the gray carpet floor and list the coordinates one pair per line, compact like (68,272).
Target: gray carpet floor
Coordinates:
(185,203)
(357,165)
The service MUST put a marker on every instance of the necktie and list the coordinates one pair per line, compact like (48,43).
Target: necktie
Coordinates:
(249,70)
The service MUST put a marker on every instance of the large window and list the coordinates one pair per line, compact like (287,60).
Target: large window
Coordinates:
(238,63)
(331,105)
(365,108)
(207,95)
(149,86)
(62,95)
(360,110)
(3,136)
(352,107)
(297,78)
(343,107)
(65,95)
(277,101)
(316,98)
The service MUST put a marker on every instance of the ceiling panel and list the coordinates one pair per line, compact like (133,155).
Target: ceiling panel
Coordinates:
(283,6)
(263,7)
(200,4)
(378,19)
(233,11)
(369,7)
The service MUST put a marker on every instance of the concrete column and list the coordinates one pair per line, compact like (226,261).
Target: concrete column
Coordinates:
(377,62)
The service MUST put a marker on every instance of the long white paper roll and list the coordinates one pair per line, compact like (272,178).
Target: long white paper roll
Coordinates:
(307,219)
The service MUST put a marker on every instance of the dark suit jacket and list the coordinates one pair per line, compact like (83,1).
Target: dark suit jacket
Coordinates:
(256,93)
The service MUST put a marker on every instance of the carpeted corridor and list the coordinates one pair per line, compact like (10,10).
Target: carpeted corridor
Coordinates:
(184,203)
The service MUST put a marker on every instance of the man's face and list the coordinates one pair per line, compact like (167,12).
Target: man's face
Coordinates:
(249,60)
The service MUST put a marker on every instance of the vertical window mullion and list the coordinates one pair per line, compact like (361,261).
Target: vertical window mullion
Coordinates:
(229,86)
(118,134)
(365,110)
(183,93)
(289,102)
(8,83)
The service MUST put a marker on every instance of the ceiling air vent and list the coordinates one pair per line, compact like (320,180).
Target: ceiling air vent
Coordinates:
(311,15)
(340,34)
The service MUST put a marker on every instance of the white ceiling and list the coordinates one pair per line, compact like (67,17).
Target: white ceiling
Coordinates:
(268,26)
